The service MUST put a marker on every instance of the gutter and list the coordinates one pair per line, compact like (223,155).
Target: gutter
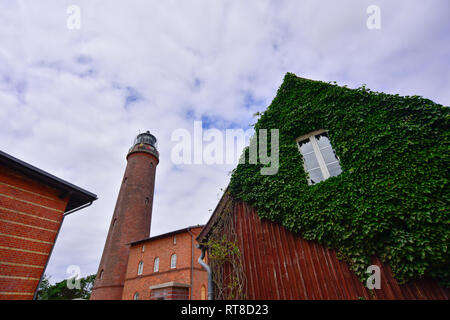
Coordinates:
(208,270)
(76,209)
(53,245)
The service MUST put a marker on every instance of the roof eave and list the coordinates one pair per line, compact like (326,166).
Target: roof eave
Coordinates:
(78,196)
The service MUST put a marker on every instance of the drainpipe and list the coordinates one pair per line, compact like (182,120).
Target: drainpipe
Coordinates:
(192,263)
(208,270)
(53,245)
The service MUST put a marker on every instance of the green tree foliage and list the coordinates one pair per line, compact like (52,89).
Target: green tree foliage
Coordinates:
(60,290)
(392,198)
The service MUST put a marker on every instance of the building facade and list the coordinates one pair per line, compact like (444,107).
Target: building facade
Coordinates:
(131,218)
(127,268)
(357,209)
(278,264)
(33,204)
(166,267)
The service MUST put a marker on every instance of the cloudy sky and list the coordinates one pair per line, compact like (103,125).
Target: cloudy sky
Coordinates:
(72,100)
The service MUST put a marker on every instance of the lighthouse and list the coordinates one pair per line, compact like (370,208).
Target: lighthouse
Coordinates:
(131,219)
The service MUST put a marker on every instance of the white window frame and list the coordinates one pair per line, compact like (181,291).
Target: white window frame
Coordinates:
(156,264)
(136,296)
(173,262)
(140,267)
(323,167)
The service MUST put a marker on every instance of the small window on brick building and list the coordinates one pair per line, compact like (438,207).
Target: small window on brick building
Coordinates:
(151,165)
(147,200)
(156,265)
(136,296)
(125,180)
(114,222)
(175,239)
(101,275)
(143,247)
(140,268)
(203,293)
(173,261)
(319,159)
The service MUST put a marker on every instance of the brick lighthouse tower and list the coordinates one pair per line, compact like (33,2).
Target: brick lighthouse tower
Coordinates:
(131,219)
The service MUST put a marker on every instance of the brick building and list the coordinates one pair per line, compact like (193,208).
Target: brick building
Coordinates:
(33,204)
(165,267)
(117,276)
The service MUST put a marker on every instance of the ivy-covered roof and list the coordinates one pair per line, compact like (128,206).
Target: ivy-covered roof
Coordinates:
(391,199)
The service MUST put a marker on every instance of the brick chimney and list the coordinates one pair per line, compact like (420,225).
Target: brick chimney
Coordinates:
(131,219)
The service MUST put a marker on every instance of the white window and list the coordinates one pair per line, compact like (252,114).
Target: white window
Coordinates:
(143,248)
(319,158)
(156,265)
(136,296)
(173,261)
(175,239)
(101,275)
(140,268)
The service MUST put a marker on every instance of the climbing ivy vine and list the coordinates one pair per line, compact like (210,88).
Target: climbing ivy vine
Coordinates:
(392,198)
(225,257)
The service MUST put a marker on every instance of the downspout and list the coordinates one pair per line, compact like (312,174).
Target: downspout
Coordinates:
(192,263)
(53,245)
(208,270)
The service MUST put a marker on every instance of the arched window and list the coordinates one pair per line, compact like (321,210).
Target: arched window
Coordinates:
(156,265)
(173,261)
(174,239)
(136,296)
(203,293)
(140,268)
(147,200)
(143,247)
(101,275)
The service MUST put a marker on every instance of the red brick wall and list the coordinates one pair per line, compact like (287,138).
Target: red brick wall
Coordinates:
(133,218)
(170,293)
(164,248)
(30,217)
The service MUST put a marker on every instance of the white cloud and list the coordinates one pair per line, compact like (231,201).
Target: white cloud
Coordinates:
(64,93)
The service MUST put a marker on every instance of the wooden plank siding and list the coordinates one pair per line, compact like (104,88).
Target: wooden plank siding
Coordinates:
(279,264)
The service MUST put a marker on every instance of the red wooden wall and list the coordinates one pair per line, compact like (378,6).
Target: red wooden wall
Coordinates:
(281,265)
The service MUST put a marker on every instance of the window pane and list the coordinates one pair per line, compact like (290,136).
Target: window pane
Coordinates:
(311,161)
(334,169)
(329,155)
(322,140)
(305,146)
(315,175)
